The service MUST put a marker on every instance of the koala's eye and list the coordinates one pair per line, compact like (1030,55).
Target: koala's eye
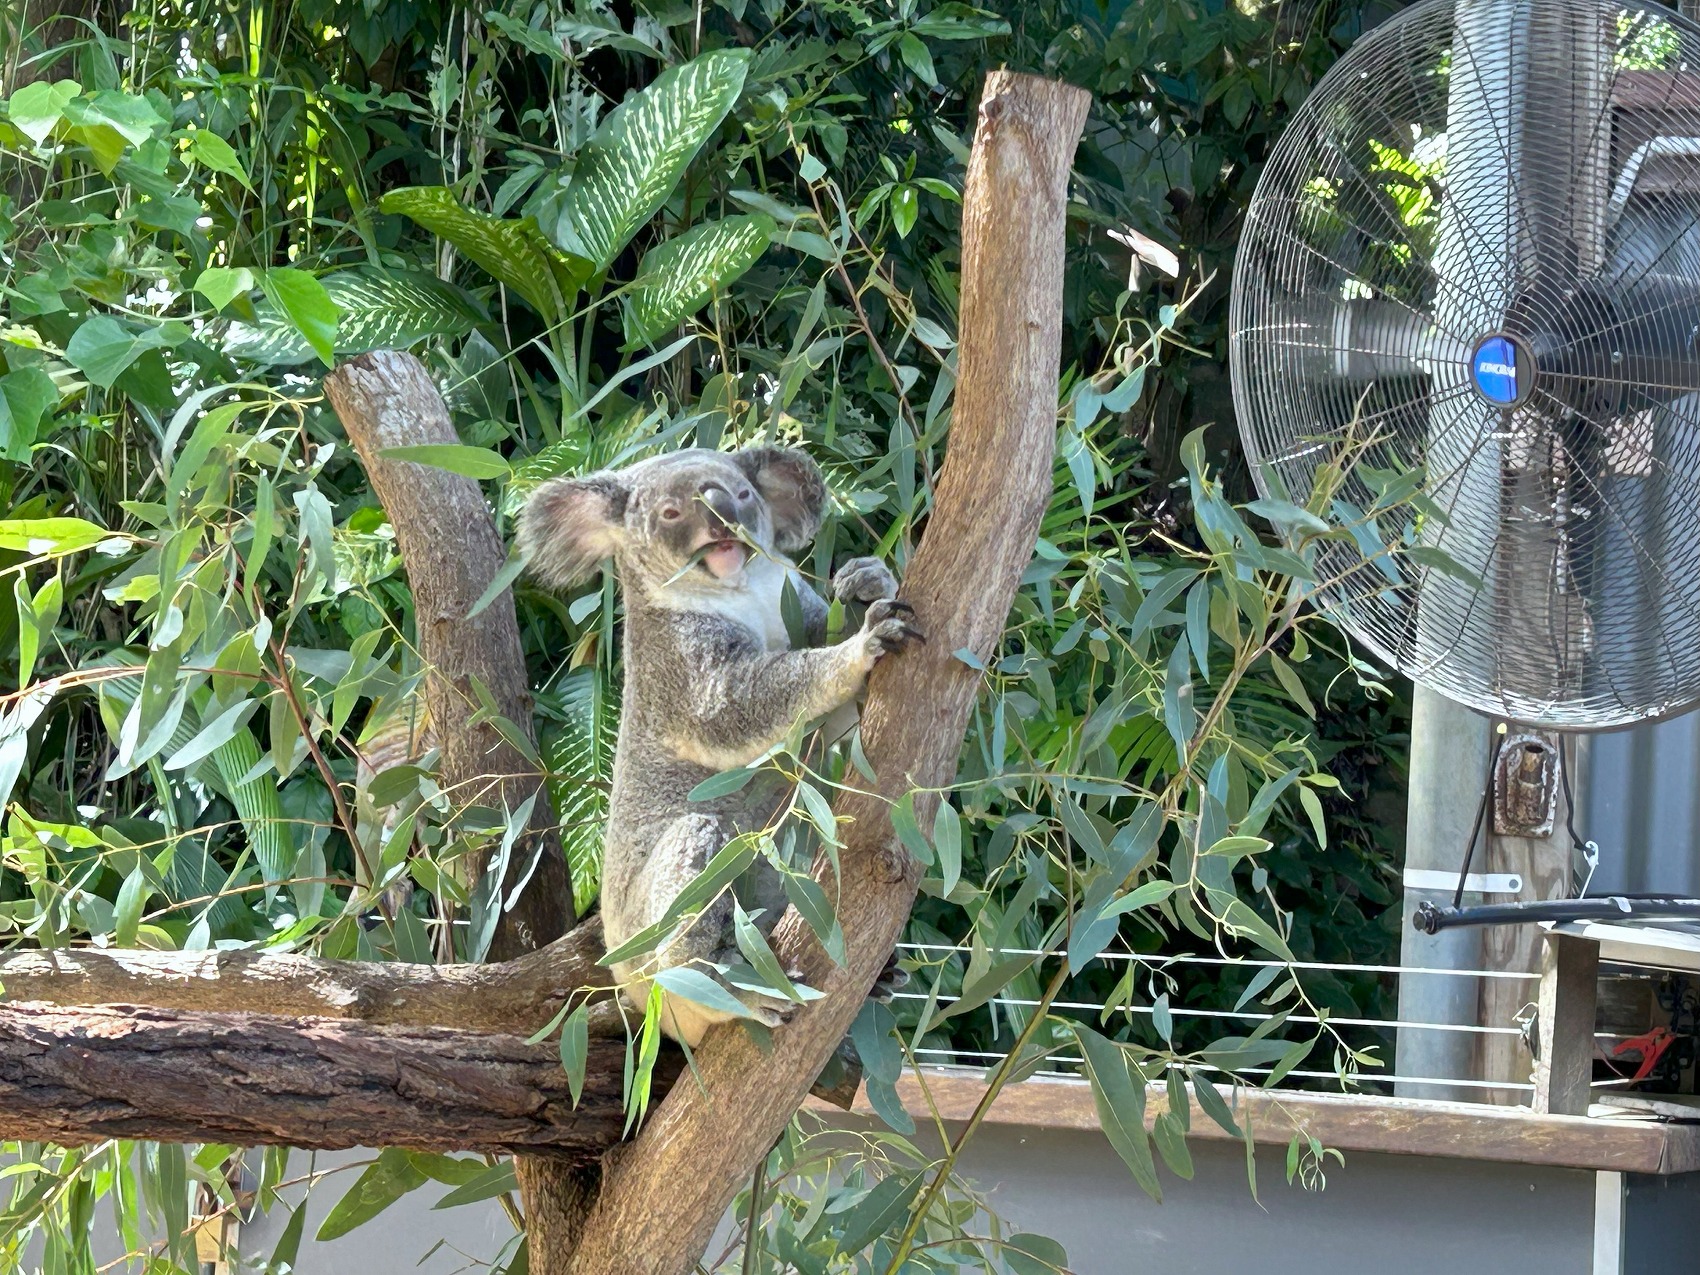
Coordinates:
(670,513)
(745,494)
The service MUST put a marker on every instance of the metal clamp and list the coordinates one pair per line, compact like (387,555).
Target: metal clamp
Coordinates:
(1474,883)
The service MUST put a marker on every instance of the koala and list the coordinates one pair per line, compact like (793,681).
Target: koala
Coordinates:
(699,542)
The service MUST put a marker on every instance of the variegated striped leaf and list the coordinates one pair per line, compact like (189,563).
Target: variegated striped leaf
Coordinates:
(637,155)
(513,250)
(378,311)
(579,746)
(678,277)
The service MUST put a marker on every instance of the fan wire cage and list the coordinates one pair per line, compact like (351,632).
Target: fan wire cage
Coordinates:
(1475,253)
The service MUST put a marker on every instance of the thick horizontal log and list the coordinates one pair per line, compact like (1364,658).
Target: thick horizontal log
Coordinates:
(74,1076)
(516,996)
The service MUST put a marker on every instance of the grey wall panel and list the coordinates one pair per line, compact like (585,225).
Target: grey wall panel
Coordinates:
(1641,802)
(1393,1215)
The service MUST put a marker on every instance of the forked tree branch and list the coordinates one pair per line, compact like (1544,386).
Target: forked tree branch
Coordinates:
(197,1070)
(663,1196)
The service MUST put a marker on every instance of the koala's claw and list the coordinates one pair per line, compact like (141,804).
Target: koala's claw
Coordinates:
(889,634)
(863,580)
(887,631)
(768,1016)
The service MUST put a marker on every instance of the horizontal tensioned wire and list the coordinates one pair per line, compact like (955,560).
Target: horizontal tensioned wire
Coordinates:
(1160,960)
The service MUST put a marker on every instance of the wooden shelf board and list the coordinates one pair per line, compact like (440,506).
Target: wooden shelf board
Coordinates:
(1350,1122)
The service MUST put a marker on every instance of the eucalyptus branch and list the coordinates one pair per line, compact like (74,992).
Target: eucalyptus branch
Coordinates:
(345,817)
(855,295)
(1000,1077)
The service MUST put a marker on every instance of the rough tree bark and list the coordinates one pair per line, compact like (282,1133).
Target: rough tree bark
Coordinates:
(75,1076)
(451,551)
(663,1195)
(516,996)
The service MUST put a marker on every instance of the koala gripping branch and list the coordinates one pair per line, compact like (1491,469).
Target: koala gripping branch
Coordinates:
(662,1196)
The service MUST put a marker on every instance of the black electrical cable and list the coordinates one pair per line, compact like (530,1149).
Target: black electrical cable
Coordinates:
(1431,920)
(1576,841)
(1476,828)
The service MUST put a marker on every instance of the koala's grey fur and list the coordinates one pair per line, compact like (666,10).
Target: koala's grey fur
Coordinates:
(711,681)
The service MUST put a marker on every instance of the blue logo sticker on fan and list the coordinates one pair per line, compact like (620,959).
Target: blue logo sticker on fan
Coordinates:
(1494,367)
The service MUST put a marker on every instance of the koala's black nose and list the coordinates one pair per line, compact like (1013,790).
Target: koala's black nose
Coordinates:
(720,504)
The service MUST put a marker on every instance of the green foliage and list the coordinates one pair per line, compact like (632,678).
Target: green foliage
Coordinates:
(679,276)
(635,158)
(373,311)
(209,631)
(513,251)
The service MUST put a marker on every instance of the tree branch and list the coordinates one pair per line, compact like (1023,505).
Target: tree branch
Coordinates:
(449,545)
(702,1143)
(74,1076)
(451,552)
(516,996)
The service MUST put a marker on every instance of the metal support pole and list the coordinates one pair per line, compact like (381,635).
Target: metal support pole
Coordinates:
(1449,759)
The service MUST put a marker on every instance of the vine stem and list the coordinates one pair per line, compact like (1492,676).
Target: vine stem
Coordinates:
(752,1226)
(999,1079)
(344,816)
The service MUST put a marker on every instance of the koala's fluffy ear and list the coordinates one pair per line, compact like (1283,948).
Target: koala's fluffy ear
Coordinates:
(791,484)
(569,525)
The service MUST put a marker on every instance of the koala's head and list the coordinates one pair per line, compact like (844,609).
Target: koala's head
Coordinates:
(658,515)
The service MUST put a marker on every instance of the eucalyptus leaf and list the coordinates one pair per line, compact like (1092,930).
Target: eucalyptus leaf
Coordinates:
(1120,1098)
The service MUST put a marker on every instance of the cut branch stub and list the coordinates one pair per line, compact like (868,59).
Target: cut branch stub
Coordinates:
(451,552)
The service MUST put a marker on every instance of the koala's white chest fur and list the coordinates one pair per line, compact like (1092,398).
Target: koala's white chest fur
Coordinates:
(753,602)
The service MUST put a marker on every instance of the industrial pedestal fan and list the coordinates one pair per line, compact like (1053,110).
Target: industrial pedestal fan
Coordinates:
(1477,247)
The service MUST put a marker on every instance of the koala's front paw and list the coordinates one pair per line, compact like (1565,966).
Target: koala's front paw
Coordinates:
(863,580)
(891,978)
(889,627)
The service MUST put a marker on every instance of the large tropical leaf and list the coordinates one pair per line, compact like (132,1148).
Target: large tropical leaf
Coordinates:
(638,153)
(579,747)
(513,250)
(378,311)
(678,277)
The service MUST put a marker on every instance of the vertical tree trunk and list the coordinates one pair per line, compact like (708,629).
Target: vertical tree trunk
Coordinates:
(662,1196)
(451,551)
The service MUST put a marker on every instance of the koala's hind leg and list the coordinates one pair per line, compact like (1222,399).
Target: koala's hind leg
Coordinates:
(684,849)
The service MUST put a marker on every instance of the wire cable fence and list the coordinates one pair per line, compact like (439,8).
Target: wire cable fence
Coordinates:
(1378,1030)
